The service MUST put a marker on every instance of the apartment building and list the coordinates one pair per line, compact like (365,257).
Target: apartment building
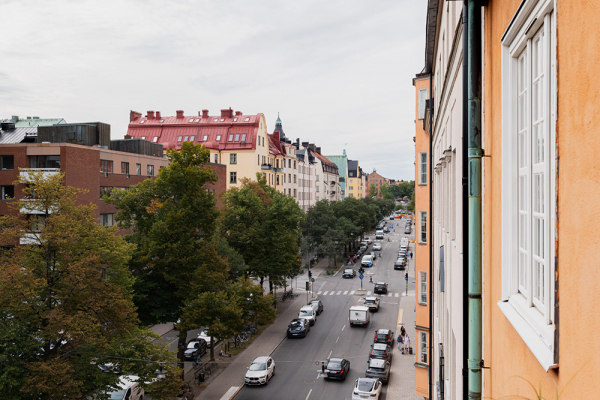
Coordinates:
(342,164)
(239,141)
(284,152)
(356,180)
(377,181)
(327,180)
(307,172)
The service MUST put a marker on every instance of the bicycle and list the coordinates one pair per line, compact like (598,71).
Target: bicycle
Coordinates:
(242,337)
(251,329)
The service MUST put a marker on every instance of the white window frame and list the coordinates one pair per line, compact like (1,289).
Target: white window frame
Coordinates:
(533,320)
(423,348)
(421,214)
(232,158)
(422,99)
(423,168)
(422,284)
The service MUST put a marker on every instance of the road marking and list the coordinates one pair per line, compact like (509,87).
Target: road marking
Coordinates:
(343,327)
(330,354)
(340,292)
(352,292)
(325,293)
(396,295)
(390,294)
(369,293)
(319,292)
(400,316)
(336,340)
(346,292)
(308,395)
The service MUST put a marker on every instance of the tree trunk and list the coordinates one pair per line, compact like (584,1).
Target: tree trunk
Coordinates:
(212,348)
(181,350)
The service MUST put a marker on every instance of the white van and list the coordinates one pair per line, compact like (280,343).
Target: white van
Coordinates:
(359,315)
(379,234)
(128,389)
(308,313)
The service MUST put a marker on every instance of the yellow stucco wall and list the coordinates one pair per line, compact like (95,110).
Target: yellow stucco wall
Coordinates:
(578,166)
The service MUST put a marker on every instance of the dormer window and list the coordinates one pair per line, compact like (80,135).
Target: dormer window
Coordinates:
(143,137)
(142,121)
(197,120)
(192,138)
(179,139)
(185,139)
(237,137)
(235,119)
(218,137)
(191,120)
(161,121)
(231,137)
(222,119)
(155,139)
(243,137)
(247,119)
(205,138)
(216,120)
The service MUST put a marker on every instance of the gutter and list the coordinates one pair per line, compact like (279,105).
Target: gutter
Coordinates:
(465,207)
(430,226)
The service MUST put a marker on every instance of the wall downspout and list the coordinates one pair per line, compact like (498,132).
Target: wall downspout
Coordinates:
(430,229)
(465,206)
(475,232)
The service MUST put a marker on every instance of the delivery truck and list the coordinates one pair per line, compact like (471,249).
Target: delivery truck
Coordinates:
(359,315)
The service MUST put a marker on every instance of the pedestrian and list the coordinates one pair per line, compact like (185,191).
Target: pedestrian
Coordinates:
(406,344)
(189,395)
(399,342)
(402,331)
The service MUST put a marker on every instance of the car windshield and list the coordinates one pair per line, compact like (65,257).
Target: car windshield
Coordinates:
(257,367)
(370,301)
(365,386)
(378,352)
(306,313)
(315,303)
(382,336)
(192,345)
(334,365)
(296,324)
(118,395)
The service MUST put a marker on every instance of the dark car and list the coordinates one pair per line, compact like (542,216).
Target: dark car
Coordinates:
(349,273)
(400,263)
(298,328)
(384,336)
(318,305)
(379,369)
(195,347)
(337,368)
(372,302)
(380,287)
(381,350)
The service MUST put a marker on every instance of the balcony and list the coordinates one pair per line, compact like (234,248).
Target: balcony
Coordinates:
(278,169)
(266,167)
(333,182)
(332,193)
(47,172)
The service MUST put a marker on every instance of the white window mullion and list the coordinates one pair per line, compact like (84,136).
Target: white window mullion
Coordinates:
(548,161)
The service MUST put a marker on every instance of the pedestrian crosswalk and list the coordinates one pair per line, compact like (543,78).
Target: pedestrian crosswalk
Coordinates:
(351,293)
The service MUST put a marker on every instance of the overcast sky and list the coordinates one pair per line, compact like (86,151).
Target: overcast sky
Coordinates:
(339,72)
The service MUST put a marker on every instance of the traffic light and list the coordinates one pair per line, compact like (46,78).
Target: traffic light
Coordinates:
(406,276)
(309,274)
(361,270)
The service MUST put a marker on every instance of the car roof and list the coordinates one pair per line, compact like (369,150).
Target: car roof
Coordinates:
(380,346)
(348,269)
(377,362)
(308,306)
(261,359)
(383,331)
(336,359)
(371,298)
(381,283)
(372,380)
(298,320)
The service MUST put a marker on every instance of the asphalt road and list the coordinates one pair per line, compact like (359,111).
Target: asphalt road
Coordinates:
(297,361)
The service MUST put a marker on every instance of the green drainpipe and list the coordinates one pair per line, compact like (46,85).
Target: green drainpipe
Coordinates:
(475,154)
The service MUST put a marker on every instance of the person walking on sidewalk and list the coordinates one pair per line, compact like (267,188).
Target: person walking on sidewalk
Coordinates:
(406,345)
(189,395)
(399,342)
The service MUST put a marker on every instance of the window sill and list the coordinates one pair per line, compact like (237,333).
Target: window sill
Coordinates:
(530,336)
(421,365)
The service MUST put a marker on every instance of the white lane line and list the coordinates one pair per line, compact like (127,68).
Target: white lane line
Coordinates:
(319,292)
(308,395)
(352,292)
(330,354)
(369,293)
(346,292)
(340,292)
(343,327)
(336,340)
(390,294)
(396,295)
(325,293)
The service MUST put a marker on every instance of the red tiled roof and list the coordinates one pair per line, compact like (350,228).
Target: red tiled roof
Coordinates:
(168,130)
(276,148)
(324,159)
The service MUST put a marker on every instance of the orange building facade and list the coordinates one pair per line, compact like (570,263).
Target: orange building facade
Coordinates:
(540,274)
(422,177)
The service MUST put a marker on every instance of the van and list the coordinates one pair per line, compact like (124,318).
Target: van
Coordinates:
(308,313)
(359,315)
(379,234)
(128,389)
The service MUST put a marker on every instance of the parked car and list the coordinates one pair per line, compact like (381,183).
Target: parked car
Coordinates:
(309,313)
(377,246)
(364,243)
(366,388)
(392,218)
(380,287)
(367,261)
(381,350)
(372,254)
(318,305)
(406,231)
(384,336)
(260,371)
(368,240)
(195,347)
(128,389)
(337,368)
(349,273)
(204,335)
(372,302)
(299,327)
(400,263)
(378,369)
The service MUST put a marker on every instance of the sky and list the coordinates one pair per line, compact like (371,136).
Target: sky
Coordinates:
(338,72)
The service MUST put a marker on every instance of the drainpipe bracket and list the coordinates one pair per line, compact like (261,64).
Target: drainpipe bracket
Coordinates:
(474,365)
(475,152)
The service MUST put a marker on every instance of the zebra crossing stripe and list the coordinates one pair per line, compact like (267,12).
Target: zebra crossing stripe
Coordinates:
(319,292)
(340,292)
(390,294)
(396,295)
(352,292)
(325,293)
(369,293)
(346,292)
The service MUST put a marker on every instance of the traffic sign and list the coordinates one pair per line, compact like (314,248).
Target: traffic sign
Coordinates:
(360,276)
(312,279)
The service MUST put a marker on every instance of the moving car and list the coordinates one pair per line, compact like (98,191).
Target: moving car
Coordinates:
(380,287)
(384,336)
(359,315)
(349,273)
(195,347)
(309,313)
(372,303)
(128,389)
(368,240)
(367,261)
(299,327)
(378,369)
(260,371)
(372,254)
(379,233)
(381,350)
(337,368)
(377,246)
(317,305)
(366,388)
(406,230)
(400,263)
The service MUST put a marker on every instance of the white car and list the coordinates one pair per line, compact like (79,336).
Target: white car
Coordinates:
(367,261)
(260,371)
(309,313)
(366,388)
(368,240)
(377,246)
(128,389)
(204,335)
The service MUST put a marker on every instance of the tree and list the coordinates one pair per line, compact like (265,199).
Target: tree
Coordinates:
(173,221)
(66,300)
(373,192)
(386,193)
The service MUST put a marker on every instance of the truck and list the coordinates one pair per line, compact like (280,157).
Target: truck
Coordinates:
(379,234)
(359,315)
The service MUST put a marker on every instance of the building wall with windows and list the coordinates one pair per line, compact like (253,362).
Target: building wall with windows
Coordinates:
(376,180)
(421,247)
(234,139)
(540,244)
(356,179)
(307,172)
(342,164)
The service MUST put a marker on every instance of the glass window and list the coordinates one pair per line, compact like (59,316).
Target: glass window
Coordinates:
(155,139)
(423,287)
(44,161)
(422,99)
(138,169)
(423,347)
(237,137)
(125,168)
(179,138)
(423,227)
(7,162)
(243,137)
(7,192)
(185,139)
(247,119)
(192,138)
(233,158)
(106,219)
(235,119)
(205,138)
(423,168)
(231,137)
(233,177)
(150,170)
(216,158)
(218,138)
(191,120)
(106,166)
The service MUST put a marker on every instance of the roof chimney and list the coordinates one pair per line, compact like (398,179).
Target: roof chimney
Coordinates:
(227,113)
(15,118)
(204,113)
(319,150)
(304,144)
(158,115)
(312,147)
(150,115)
(179,113)
(134,115)
(238,113)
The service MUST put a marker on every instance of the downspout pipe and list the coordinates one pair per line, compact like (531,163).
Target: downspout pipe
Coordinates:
(465,206)
(430,234)
(475,154)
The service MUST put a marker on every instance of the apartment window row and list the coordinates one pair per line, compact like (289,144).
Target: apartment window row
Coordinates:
(44,161)
(181,139)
